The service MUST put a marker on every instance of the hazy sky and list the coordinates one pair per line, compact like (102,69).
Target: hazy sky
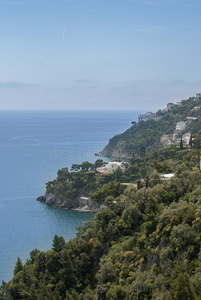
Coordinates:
(98,54)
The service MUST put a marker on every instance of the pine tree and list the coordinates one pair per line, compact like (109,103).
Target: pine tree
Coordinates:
(58,243)
(191,141)
(18,266)
(181,144)
(182,288)
(66,273)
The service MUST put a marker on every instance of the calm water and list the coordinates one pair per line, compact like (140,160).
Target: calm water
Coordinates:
(33,146)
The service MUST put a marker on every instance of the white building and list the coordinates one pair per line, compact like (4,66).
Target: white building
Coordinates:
(198,97)
(166,176)
(196,108)
(191,118)
(149,116)
(186,138)
(181,126)
(112,166)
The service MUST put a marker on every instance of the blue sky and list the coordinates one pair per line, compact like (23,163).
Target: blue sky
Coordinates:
(98,54)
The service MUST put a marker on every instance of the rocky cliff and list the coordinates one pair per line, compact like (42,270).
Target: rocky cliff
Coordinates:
(82,204)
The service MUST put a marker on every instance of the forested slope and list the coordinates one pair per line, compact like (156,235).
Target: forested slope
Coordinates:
(145,136)
(148,237)
(145,242)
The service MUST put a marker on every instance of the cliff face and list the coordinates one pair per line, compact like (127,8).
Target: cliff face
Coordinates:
(142,137)
(145,136)
(87,205)
(52,200)
(115,153)
(82,204)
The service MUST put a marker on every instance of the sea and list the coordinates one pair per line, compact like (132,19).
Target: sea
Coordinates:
(34,145)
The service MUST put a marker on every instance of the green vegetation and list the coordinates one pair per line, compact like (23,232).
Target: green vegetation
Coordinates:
(144,244)
(150,237)
(82,181)
(145,136)
(141,136)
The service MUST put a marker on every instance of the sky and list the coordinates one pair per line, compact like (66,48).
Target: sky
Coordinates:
(98,54)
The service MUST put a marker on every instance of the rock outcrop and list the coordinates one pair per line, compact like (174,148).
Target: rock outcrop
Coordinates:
(81,204)
(115,153)
(54,201)
(87,205)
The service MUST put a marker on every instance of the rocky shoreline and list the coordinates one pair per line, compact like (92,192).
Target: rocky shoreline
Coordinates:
(81,204)
(115,153)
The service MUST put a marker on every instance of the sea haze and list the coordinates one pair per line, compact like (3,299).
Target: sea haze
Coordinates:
(33,146)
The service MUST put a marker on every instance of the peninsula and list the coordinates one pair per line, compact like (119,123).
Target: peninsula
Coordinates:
(155,136)
(144,243)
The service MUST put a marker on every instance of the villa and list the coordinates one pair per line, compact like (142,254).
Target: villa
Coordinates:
(149,116)
(111,167)
(198,97)
(181,126)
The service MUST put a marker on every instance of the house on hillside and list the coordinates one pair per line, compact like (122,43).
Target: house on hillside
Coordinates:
(166,176)
(196,108)
(111,167)
(170,105)
(166,139)
(149,116)
(180,126)
(191,118)
(198,97)
(186,138)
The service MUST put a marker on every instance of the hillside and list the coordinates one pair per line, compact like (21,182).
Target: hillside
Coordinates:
(143,244)
(75,189)
(145,136)
(148,238)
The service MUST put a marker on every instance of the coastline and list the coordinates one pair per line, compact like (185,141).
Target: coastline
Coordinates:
(81,204)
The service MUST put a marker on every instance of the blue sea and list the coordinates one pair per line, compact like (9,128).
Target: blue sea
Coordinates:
(33,146)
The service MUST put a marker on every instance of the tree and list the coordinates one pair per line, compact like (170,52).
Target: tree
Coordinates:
(85,166)
(72,296)
(151,210)
(191,141)
(182,288)
(118,173)
(197,140)
(117,292)
(75,167)
(198,155)
(102,291)
(154,179)
(99,163)
(110,189)
(45,293)
(107,273)
(52,262)
(181,144)
(139,184)
(103,217)
(58,243)
(66,271)
(18,266)
(162,167)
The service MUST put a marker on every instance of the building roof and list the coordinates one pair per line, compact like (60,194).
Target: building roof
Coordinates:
(167,176)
